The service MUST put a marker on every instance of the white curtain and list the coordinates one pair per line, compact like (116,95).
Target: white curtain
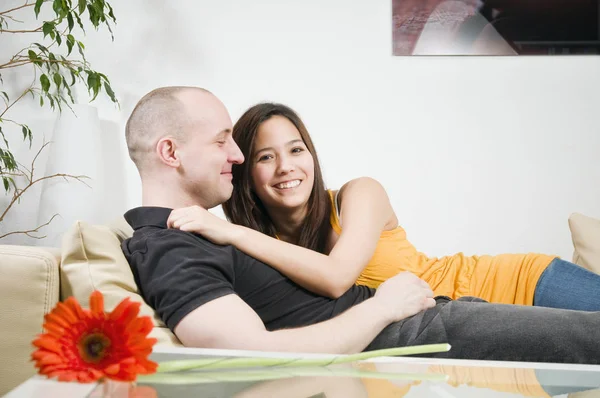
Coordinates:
(77,149)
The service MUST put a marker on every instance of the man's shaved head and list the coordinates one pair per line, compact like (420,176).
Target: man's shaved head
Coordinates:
(180,140)
(159,113)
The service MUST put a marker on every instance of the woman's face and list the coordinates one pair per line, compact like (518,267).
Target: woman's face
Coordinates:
(283,169)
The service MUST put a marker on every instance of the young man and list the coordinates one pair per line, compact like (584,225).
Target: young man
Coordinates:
(217,297)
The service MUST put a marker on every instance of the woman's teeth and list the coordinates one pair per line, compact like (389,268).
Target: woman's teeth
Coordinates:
(286,185)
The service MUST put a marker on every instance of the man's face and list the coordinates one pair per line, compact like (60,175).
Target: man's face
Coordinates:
(209,152)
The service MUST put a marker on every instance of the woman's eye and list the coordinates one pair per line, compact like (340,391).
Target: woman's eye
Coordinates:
(264,157)
(297,150)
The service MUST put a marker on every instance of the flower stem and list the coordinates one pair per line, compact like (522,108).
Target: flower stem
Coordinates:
(232,363)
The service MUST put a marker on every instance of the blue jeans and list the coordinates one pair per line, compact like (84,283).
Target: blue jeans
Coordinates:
(568,286)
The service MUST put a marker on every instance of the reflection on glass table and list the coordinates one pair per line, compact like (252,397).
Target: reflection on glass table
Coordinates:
(381,377)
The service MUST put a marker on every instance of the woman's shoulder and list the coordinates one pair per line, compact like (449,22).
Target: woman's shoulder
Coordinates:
(360,184)
(372,191)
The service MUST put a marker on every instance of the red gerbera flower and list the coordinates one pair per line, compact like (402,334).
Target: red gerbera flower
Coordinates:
(87,345)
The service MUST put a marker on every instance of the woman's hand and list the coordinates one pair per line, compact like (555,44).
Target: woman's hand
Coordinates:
(201,221)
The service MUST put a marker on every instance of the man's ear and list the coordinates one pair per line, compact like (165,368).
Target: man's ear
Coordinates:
(166,149)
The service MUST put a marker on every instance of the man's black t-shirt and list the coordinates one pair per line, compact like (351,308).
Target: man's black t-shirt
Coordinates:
(178,271)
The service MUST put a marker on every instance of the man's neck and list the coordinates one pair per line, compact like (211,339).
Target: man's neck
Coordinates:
(161,194)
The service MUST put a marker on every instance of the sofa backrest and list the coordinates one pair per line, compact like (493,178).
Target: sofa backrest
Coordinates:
(29,289)
(585,233)
(92,259)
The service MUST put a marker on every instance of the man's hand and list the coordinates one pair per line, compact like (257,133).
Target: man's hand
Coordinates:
(201,221)
(404,295)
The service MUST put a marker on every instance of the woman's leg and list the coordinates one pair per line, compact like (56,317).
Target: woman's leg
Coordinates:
(569,286)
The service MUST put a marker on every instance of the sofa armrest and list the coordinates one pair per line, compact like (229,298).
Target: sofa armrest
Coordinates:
(29,289)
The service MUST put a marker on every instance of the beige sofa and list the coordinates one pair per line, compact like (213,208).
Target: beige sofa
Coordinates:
(34,279)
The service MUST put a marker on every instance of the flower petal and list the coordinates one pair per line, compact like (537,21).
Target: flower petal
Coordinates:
(65,375)
(48,343)
(54,329)
(118,311)
(57,319)
(54,368)
(125,312)
(144,348)
(50,359)
(142,325)
(64,311)
(112,369)
(147,367)
(96,303)
(74,306)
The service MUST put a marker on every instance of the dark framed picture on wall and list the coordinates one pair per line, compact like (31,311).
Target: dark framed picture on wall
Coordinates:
(495,27)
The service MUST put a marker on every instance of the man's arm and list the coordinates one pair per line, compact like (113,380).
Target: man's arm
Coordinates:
(228,322)
(303,387)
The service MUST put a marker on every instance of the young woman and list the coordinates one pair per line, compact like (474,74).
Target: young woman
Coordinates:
(327,240)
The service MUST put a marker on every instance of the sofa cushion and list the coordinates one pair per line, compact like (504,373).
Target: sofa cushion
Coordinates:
(29,286)
(92,259)
(585,233)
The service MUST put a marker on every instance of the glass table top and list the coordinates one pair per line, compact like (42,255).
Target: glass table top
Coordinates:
(379,377)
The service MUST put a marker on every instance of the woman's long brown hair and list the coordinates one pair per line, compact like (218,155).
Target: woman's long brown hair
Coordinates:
(245,208)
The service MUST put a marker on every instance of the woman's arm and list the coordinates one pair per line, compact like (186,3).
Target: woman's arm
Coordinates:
(365,210)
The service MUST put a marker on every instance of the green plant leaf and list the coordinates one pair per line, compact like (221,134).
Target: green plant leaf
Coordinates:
(41,101)
(69,92)
(57,79)
(3,137)
(79,22)
(93,82)
(70,43)
(43,48)
(34,57)
(37,7)
(5,95)
(109,91)
(45,83)
(8,159)
(81,8)
(81,47)
(59,100)
(94,17)
(27,133)
(58,38)
(70,21)
(98,5)
(57,6)
(111,13)
(48,29)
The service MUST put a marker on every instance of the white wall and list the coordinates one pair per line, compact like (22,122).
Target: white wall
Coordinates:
(478,154)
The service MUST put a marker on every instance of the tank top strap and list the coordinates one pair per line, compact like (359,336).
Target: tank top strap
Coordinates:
(334,218)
